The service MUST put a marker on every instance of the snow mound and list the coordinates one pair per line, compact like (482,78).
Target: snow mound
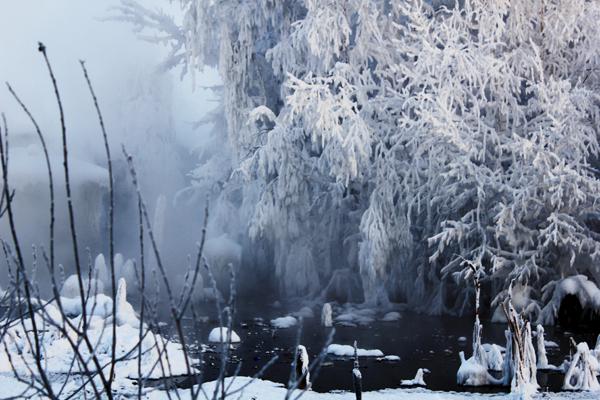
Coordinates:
(344,350)
(70,288)
(220,334)
(418,380)
(57,350)
(284,322)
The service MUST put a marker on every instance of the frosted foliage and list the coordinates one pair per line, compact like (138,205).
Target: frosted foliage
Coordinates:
(427,132)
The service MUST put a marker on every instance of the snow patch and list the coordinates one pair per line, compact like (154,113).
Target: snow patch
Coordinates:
(344,350)
(219,334)
(284,322)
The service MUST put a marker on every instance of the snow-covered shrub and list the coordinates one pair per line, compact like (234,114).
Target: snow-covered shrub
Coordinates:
(583,371)
(584,289)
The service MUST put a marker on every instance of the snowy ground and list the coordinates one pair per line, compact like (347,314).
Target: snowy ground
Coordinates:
(266,390)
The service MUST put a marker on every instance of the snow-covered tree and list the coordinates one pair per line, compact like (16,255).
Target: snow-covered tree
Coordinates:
(398,139)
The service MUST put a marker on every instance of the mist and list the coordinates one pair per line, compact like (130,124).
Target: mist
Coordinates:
(152,112)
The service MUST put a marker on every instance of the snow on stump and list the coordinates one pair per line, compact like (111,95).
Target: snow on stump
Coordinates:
(542,358)
(520,356)
(219,335)
(327,316)
(302,371)
(125,311)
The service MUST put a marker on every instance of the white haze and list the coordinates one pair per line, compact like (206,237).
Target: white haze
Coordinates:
(150,111)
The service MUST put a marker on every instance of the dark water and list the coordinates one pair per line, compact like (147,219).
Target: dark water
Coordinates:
(421,342)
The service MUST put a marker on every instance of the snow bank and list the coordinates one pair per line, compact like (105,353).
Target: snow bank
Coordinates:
(266,390)
(220,334)
(284,322)
(57,350)
(344,350)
